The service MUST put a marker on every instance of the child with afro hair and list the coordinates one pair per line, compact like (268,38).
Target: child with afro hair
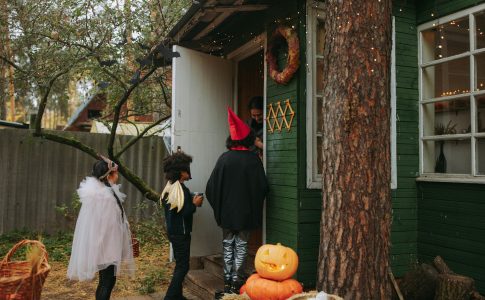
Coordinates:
(179,208)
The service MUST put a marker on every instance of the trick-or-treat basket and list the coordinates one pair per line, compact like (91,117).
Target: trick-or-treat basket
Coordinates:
(18,280)
(135,245)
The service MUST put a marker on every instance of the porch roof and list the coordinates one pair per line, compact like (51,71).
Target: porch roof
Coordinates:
(219,26)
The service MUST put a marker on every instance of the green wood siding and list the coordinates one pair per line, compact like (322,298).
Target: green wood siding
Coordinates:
(404,218)
(452,224)
(451,219)
(430,10)
(281,159)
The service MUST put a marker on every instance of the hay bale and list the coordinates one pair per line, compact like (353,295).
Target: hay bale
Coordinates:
(235,297)
(313,295)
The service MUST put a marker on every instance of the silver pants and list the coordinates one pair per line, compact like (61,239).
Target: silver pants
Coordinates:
(235,251)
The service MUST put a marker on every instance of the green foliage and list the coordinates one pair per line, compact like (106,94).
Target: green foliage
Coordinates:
(154,278)
(71,211)
(58,245)
(97,42)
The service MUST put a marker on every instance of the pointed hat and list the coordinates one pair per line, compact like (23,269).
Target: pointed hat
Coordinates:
(238,129)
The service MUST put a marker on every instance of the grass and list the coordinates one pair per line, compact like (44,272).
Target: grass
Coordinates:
(153,274)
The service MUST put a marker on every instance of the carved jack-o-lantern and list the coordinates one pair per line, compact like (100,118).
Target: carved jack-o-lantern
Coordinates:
(276,262)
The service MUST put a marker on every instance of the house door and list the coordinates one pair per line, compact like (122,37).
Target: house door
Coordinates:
(202,89)
(250,83)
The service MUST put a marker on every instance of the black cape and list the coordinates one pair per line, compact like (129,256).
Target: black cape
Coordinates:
(236,190)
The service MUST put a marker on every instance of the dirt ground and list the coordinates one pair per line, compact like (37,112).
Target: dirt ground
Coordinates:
(153,275)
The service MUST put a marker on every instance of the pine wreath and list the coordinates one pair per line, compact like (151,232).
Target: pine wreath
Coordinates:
(283,33)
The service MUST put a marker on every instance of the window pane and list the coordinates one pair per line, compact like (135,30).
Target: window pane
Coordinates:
(480,100)
(319,114)
(450,156)
(447,117)
(320,37)
(446,79)
(480,30)
(319,154)
(319,77)
(480,65)
(481,156)
(446,40)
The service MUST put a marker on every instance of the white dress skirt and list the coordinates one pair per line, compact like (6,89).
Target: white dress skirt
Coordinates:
(102,237)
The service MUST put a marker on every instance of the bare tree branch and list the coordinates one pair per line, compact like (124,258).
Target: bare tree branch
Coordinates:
(139,136)
(118,107)
(147,192)
(16,67)
(70,142)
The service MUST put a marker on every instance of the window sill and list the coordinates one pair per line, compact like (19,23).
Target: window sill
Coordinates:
(451,178)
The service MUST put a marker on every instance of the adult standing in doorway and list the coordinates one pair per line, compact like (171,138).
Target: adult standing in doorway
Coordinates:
(256,123)
(236,190)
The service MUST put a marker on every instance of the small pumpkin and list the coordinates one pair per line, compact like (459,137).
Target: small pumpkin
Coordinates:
(276,262)
(259,288)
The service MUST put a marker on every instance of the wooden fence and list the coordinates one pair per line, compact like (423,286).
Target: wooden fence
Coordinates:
(37,175)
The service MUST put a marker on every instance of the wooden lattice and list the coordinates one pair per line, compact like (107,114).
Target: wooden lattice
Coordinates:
(277,117)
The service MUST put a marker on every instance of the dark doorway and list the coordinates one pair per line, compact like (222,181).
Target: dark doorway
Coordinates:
(250,83)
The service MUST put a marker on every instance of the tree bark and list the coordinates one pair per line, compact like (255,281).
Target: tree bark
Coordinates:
(356,212)
(420,284)
(441,266)
(454,287)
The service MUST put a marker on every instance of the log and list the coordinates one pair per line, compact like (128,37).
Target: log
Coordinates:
(441,266)
(454,287)
(476,296)
(419,284)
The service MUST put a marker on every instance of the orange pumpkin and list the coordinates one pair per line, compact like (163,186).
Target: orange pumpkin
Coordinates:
(276,262)
(242,290)
(259,288)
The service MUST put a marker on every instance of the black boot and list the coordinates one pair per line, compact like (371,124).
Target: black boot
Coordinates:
(236,286)
(227,286)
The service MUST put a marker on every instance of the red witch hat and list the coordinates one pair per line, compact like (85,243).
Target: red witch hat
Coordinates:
(238,129)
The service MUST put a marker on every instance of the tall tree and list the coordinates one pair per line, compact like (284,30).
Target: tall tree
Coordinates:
(57,41)
(356,209)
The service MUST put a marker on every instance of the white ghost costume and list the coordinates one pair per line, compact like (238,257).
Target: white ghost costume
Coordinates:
(102,236)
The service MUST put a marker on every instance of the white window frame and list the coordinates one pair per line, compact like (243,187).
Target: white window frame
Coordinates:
(393,108)
(472,136)
(314,180)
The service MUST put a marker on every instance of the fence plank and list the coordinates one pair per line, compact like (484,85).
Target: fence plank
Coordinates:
(39,175)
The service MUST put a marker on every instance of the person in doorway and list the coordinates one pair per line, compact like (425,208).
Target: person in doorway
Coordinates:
(102,238)
(256,122)
(236,190)
(179,208)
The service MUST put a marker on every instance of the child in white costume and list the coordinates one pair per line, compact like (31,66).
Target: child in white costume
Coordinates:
(102,239)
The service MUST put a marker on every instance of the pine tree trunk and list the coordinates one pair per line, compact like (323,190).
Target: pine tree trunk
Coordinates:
(3,65)
(356,212)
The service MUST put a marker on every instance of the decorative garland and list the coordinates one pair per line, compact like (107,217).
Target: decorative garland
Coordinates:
(292,62)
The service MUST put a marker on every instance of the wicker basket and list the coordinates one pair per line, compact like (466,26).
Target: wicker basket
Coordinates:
(135,244)
(16,278)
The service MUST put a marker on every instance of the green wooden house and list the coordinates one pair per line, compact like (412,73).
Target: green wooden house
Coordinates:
(437,130)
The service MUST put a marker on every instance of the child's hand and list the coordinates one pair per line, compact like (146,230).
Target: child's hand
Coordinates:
(258,143)
(197,200)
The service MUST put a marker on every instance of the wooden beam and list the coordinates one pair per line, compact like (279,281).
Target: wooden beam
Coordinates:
(217,21)
(237,8)
(192,22)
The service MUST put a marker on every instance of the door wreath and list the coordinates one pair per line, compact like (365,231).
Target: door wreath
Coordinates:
(292,63)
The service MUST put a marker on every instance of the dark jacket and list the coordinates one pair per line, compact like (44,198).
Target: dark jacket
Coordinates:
(180,222)
(236,190)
